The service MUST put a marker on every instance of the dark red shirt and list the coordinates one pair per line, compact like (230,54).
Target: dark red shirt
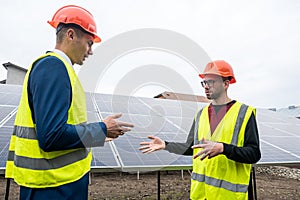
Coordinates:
(216,114)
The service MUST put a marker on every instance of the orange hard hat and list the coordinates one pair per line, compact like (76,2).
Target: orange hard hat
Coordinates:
(72,14)
(219,67)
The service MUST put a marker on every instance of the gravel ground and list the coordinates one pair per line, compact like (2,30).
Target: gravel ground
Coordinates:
(273,182)
(292,173)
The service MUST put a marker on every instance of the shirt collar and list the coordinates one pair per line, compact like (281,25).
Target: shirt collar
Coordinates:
(63,55)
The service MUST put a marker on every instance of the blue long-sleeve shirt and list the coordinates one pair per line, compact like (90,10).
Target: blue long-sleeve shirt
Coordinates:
(49,97)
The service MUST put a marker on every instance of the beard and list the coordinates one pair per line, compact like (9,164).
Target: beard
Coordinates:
(212,95)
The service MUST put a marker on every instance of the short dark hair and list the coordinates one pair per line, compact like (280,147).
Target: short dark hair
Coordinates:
(62,28)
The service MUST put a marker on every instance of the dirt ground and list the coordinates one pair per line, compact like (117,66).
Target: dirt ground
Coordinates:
(173,185)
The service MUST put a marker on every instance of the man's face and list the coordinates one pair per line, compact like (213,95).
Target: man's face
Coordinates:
(82,48)
(213,86)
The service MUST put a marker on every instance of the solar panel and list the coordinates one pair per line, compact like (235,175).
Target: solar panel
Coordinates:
(274,155)
(5,133)
(293,111)
(147,120)
(269,116)
(15,89)
(151,120)
(105,158)
(5,112)
(10,94)
(168,119)
(279,136)
(133,160)
(6,128)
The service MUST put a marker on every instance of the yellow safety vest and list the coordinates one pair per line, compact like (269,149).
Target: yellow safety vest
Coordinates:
(27,163)
(219,177)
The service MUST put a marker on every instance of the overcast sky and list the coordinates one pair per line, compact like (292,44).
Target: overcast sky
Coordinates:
(259,38)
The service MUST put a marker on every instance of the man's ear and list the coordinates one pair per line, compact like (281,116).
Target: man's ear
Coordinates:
(226,83)
(70,34)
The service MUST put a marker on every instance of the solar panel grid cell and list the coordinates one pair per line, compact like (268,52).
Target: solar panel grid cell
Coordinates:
(5,111)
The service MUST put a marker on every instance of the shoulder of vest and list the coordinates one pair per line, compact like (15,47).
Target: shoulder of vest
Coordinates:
(199,112)
(247,107)
(47,55)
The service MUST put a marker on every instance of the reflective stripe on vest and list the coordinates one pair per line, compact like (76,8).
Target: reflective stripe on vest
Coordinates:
(49,160)
(197,119)
(27,163)
(238,124)
(47,164)
(219,183)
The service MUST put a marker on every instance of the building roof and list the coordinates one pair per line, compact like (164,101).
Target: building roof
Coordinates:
(180,96)
(9,64)
(15,74)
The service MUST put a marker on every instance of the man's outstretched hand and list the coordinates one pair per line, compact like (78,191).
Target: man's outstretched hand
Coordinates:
(154,145)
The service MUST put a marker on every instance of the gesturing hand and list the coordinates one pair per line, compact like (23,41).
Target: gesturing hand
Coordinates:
(154,145)
(116,128)
(210,149)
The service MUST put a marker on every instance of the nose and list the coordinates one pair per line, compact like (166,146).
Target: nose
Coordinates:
(90,52)
(206,86)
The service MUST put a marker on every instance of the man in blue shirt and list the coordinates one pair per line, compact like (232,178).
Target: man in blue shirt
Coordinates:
(52,100)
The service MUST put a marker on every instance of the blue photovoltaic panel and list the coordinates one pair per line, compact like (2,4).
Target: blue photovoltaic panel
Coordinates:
(121,104)
(91,110)
(162,117)
(5,134)
(5,111)
(279,136)
(171,120)
(274,155)
(133,160)
(152,121)
(10,94)
(7,89)
(11,120)
(287,144)
(10,99)
(104,157)
(172,108)
(272,117)
(184,123)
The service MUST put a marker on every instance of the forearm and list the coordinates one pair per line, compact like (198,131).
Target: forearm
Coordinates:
(73,136)
(248,154)
(182,148)
(179,148)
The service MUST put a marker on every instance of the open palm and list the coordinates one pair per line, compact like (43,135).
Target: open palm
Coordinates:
(154,145)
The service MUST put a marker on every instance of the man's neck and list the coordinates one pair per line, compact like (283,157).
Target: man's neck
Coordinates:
(221,101)
(63,55)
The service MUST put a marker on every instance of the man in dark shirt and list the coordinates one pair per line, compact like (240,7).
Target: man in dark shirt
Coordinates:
(222,132)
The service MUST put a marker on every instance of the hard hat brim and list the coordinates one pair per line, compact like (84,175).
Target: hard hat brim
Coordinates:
(231,81)
(97,39)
